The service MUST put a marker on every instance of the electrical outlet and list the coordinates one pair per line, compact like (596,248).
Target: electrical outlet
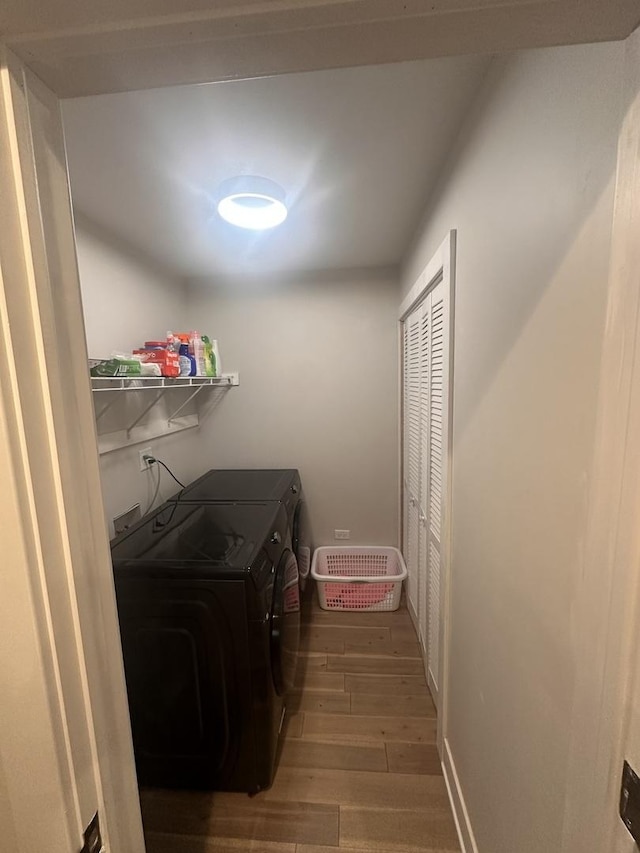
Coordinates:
(144,465)
(342,534)
(630,801)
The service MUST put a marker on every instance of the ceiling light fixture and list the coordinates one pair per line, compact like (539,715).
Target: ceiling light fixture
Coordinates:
(252,202)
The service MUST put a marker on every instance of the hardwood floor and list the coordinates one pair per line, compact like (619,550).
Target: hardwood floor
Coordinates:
(358,769)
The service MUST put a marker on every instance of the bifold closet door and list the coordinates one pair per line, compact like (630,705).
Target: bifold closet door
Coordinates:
(425,364)
(434,414)
(422,494)
(416,394)
(412,454)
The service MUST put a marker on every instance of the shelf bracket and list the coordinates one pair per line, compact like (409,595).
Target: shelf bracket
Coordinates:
(145,411)
(136,432)
(186,403)
(106,408)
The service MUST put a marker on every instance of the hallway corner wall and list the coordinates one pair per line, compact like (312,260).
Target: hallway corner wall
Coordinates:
(529,188)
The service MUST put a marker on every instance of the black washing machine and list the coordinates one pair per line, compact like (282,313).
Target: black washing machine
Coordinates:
(259,484)
(208,603)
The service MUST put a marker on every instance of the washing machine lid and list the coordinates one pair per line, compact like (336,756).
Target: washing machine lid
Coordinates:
(199,538)
(241,484)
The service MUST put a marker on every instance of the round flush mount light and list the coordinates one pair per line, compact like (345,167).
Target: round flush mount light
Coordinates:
(252,202)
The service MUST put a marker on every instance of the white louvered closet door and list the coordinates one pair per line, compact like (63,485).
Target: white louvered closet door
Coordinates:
(426,359)
(412,454)
(423,488)
(416,400)
(436,473)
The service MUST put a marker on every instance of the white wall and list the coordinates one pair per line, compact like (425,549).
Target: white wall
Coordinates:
(529,189)
(128,299)
(318,383)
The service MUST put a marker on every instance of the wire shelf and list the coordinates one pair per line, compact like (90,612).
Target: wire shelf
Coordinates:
(138,426)
(147,383)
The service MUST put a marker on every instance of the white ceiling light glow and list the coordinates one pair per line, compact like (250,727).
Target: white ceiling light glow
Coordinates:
(252,202)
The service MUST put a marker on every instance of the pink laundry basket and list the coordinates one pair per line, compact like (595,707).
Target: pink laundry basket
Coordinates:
(365,578)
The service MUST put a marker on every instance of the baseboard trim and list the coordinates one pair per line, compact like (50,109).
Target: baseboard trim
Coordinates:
(458,805)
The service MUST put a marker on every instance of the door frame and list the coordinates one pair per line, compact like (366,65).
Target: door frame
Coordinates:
(606,617)
(65,738)
(441,268)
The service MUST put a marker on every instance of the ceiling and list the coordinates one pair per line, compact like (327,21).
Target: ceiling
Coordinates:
(357,151)
(81,48)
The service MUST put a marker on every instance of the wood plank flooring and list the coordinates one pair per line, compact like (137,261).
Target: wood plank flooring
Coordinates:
(358,770)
